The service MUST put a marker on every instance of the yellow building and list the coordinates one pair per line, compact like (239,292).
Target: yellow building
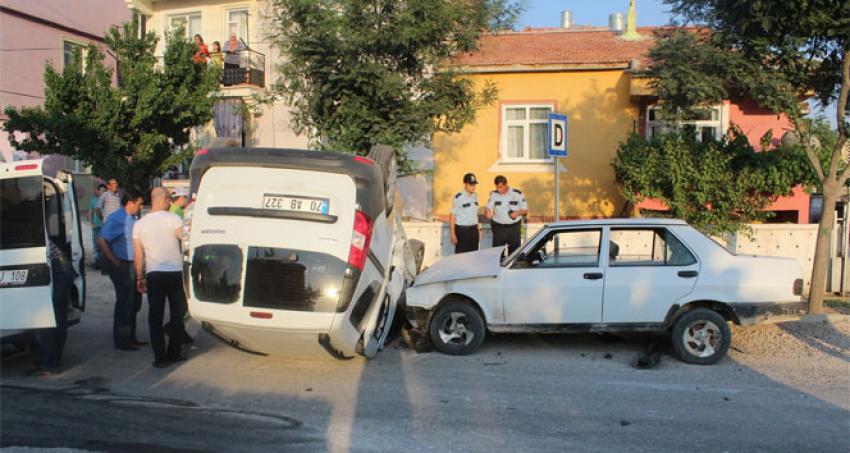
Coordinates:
(583,72)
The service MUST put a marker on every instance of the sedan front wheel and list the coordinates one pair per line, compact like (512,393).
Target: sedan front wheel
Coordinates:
(457,328)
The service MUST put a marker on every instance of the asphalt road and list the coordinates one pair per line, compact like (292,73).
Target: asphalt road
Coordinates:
(519,393)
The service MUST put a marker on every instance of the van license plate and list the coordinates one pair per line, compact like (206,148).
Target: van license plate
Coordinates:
(298,204)
(14,277)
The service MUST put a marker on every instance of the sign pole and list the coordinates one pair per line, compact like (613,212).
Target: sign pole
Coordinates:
(557,149)
(557,189)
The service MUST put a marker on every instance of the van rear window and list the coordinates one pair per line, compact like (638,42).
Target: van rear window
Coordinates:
(298,280)
(217,273)
(21,213)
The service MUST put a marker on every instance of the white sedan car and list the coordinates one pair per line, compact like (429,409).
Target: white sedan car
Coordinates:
(615,275)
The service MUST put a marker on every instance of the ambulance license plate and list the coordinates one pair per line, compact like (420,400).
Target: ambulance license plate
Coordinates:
(297,204)
(13,277)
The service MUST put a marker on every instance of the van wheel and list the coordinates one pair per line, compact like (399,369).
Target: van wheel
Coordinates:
(701,336)
(385,159)
(457,328)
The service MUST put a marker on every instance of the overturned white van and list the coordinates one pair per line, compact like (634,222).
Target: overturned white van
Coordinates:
(295,252)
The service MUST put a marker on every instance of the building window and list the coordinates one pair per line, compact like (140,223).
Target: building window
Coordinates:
(68,49)
(703,124)
(525,133)
(191,23)
(237,24)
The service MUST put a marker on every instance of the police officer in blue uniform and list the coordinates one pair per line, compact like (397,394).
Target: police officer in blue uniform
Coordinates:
(463,221)
(505,209)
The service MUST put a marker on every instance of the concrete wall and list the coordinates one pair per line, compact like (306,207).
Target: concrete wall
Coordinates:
(788,240)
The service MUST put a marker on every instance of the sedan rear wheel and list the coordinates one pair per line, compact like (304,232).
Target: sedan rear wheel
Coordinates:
(701,336)
(457,328)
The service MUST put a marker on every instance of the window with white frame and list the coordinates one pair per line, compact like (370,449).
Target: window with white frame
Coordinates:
(68,49)
(237,23)
(191,23)
(703,123)
(525,132)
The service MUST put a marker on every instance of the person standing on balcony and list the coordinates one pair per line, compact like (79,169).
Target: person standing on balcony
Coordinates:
(231,51)
(202,53)
(216,57)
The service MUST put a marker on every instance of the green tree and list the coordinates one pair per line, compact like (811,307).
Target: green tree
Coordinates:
(717,186)
(134,131)
(776,53)
(363,72)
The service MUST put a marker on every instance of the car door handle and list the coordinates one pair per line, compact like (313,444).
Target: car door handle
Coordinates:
(593,276)
(688,274)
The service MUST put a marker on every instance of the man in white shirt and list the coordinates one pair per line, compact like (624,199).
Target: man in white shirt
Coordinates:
(159,263)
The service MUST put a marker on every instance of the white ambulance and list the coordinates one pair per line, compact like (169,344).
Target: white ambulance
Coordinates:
(33,209)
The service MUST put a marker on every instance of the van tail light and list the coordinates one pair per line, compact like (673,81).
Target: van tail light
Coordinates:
(364,160)
(26,167)
(360,238)
(798,287)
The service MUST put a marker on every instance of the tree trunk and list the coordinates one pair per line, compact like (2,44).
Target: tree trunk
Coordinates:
(822,255)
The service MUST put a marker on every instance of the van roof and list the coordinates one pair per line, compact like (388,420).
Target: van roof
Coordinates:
(366,175)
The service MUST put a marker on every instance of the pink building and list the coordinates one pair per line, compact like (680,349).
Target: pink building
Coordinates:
(754,121)
(35,33)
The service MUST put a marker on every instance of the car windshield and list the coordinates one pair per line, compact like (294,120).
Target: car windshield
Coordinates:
(533,239)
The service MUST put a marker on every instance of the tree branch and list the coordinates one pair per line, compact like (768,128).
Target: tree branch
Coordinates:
(841,109)
(841,112)
(807,147)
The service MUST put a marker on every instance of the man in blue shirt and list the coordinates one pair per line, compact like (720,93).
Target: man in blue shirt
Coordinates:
(116,245)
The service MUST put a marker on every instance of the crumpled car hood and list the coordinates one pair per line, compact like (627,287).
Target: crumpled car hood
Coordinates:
(483,263)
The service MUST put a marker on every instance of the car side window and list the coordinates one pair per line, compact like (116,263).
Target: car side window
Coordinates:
(647,247)
(573,248)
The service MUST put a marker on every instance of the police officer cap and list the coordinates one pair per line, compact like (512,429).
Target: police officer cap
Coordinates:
(470,178)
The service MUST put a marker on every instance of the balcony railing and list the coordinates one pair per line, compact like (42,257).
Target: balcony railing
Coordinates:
(242,67)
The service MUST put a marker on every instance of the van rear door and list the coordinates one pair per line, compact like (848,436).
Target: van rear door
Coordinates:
(74,235)
(25,291)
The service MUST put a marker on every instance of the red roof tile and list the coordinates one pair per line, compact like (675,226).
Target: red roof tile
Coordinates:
(577,46)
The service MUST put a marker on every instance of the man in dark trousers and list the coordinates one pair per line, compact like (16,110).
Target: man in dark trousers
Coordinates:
(505,209)
(159,266)
(463,221)
(116,244)
(51,341)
